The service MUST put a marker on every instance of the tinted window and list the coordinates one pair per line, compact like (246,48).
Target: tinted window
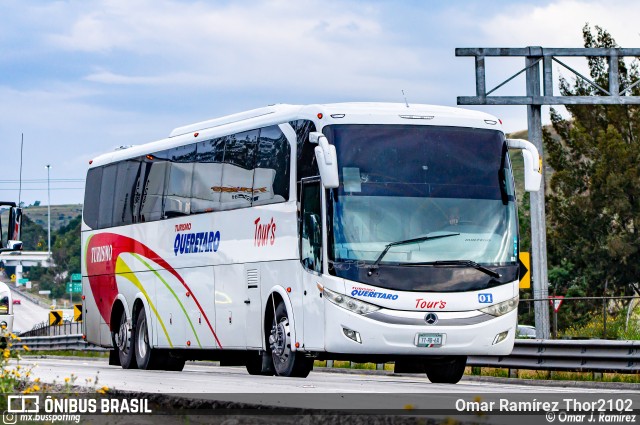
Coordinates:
(150,188)
(177,194)
(107,192)
(207,175)
(271,179)
(92,197)
(444,162)
(306,158)
(236,190)
(125,190)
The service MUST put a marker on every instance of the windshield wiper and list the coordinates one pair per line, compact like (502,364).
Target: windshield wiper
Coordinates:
(459,263)
(375,265)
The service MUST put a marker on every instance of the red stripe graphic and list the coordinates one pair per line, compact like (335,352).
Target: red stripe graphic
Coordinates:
(103,251)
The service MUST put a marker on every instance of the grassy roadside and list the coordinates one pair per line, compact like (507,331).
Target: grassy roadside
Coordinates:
(505,373)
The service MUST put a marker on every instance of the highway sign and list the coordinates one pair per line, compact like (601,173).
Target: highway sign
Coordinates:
(23,280)
(75,287)
(77,312)
(76,277)
(525,273)
(55,318)
(556,302)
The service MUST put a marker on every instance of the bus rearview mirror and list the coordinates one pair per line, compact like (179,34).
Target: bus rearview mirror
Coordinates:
(14,227)
(327,160)
(532,163)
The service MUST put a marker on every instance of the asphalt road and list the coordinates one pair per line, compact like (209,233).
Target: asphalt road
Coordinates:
(206,378)
(349,392)
(27,314)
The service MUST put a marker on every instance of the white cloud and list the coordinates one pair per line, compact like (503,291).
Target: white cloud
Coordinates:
(559,23)
(275,43)
(87,76)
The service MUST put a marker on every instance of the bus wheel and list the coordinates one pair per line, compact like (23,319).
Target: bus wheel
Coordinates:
(446,371)
(286,362)
(146,357)
(123,341)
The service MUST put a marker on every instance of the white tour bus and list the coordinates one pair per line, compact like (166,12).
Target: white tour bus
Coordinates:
(273,237)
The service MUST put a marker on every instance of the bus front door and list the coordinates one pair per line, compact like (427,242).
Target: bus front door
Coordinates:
(311,249)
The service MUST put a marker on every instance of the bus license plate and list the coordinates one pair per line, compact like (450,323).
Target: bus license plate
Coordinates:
(429,340)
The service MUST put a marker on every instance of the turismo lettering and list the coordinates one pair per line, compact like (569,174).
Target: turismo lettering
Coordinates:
(101,254)
(422,303)
(264,233)
(191,243)
(373,294)
(183,227)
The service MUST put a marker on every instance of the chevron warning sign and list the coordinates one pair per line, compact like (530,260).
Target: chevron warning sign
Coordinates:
(77,312)
(55,318)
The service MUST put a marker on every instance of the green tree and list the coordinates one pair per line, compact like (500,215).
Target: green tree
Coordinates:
(66,257)
(594,201)
(34,236)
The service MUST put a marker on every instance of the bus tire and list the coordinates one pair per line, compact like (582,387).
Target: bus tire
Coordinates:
(146,357)
(446,371)
(286,362)
(123,341)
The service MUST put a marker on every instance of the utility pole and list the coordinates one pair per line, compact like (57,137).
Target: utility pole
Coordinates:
(534,100)
(48,212)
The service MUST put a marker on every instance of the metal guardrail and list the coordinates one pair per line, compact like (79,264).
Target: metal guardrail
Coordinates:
(539,354)
(44,329)
(567,355)
(60,342)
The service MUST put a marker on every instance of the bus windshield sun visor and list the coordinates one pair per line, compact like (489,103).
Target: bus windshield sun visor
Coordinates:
(375,265)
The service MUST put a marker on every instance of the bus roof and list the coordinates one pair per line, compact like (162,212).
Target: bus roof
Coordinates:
(322,114)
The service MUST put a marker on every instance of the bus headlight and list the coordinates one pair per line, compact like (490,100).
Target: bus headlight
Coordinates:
(349,303)
(502,308)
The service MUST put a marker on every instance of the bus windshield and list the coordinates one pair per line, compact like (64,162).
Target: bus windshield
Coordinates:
(436,199)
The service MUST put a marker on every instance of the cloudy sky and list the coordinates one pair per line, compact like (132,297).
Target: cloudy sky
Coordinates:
(79,78)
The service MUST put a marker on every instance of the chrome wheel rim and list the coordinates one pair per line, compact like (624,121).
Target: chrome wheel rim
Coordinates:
(122,337)
(142,340)
(280,341)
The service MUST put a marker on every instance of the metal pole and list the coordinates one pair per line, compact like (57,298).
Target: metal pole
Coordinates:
(604,310)
(48,212)
(538,221)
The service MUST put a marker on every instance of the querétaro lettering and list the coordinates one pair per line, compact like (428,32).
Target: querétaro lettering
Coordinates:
(191,243)
(373,294)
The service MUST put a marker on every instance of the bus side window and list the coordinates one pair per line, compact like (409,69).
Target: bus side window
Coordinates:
(107,194)
(91,205)
(177,190)
(150,190)
(311,227)
(238,170)
(123,203)
(271,178)
(207,176)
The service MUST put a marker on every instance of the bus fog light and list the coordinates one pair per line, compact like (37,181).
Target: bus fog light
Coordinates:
(500,337)
(351,334)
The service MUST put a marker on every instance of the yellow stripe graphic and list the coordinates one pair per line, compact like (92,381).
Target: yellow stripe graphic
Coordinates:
(173,293)
(123,270)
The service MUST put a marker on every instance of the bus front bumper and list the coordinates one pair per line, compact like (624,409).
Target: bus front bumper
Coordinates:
(407,332)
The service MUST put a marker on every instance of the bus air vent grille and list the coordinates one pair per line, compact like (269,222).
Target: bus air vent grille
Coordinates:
(252,278)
